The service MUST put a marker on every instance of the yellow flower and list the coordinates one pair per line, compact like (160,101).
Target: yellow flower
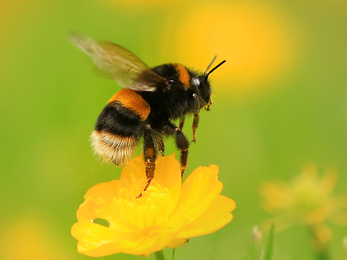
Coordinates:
(167,214)
(307,200)
(28,237)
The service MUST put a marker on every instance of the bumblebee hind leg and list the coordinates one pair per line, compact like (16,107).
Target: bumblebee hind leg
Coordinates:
(150,156)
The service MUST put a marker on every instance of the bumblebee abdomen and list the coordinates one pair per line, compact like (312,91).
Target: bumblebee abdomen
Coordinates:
(119,126)
(131,100)
(112,147)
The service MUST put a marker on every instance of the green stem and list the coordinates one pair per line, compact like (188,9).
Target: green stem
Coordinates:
(159,255)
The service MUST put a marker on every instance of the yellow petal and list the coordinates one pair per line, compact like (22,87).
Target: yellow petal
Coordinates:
(133,173)
(329,180)
(216,217)
(177,242)
(321,235)
(197,194)
(320,214)
(153,242)
(86,211)
(105,191)
(275,196)
(168,175)
(97,240)
(97,201)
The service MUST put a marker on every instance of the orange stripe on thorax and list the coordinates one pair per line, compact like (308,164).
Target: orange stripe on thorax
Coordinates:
(133,101)
(183,75)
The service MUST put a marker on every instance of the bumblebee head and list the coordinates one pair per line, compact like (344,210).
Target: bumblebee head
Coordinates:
(203,84)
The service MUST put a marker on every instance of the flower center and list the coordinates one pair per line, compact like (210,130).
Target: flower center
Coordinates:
(147,213)
(308,197)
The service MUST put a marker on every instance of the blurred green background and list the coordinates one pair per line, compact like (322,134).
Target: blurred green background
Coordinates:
(280,101)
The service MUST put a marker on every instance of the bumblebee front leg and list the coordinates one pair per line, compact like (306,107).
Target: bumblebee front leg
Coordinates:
(182,143)
(196,116)
(195,126)
(150,156)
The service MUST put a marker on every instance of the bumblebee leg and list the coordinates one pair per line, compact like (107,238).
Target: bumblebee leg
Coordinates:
(184,161)
(160,145)
(195,126)
(182,144)
(182,119)
(158,141)
(196,116)
(150,156)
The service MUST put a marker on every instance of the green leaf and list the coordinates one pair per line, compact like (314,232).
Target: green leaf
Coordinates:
(269,246)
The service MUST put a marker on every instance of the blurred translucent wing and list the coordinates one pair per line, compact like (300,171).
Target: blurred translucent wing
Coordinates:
(119,63)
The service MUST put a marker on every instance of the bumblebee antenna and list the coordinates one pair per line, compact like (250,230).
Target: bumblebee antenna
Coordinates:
(209,66)
(212,70)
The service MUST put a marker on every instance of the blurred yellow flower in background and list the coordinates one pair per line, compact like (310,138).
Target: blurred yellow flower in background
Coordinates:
(307,200)
(30,236)
(167,214)
(258,41)
(140,5)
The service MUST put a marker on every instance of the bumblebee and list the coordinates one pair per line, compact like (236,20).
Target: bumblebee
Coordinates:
(150,99)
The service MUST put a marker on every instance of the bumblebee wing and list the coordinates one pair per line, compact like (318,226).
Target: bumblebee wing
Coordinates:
(119,63)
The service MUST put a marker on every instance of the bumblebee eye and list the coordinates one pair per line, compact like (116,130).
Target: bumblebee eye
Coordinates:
(196,82)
